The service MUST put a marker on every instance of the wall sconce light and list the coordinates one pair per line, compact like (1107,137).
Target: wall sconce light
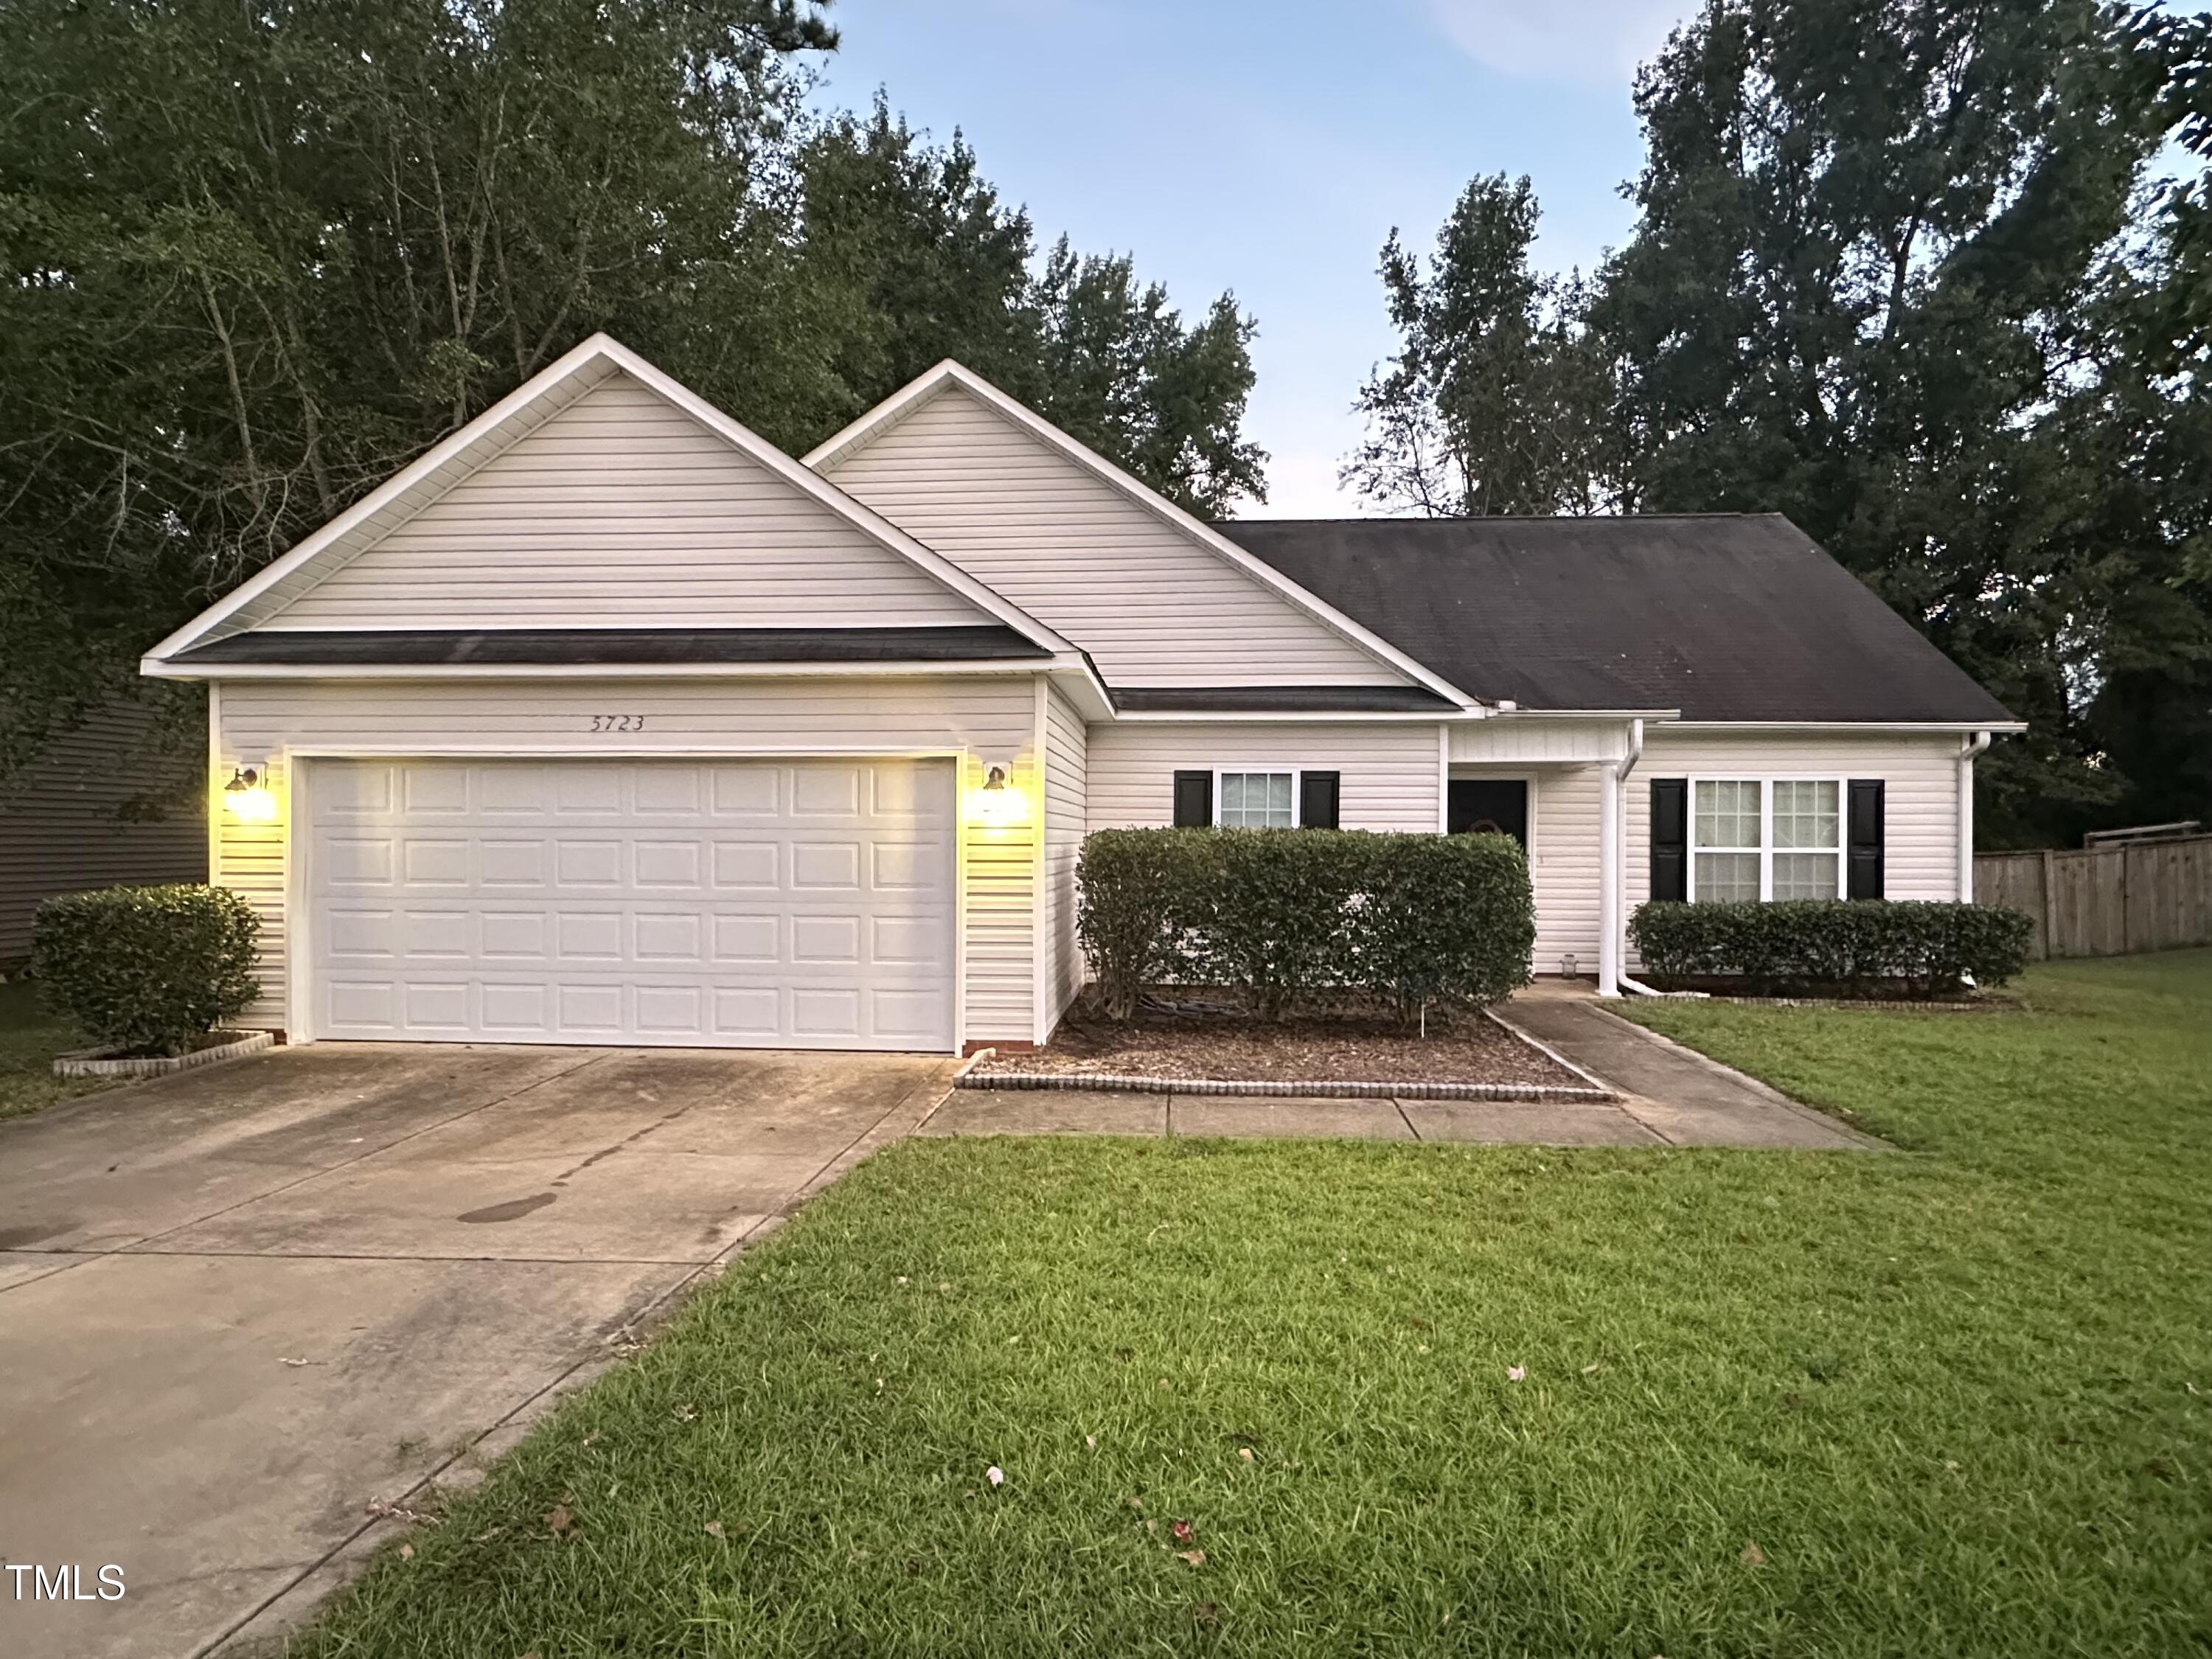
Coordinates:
(247,798)
(997,801)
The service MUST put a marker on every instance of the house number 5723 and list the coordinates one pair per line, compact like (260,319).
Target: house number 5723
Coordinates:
(617,722)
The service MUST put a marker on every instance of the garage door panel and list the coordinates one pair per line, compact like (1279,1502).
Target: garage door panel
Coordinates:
(359,861)
(668,864)
(825,791)
(752,864)
(609,902)
(435,792)
(511,863)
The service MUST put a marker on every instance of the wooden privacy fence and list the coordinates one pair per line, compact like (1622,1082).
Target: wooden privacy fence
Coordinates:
(2107,900)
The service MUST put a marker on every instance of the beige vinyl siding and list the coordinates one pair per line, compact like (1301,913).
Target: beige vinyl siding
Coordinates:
(60,831)
(1563,866)
(1066,794)
(1390,780)
(1152,604)
(992,719)
(621,510)
(1920,811)
(1920,806)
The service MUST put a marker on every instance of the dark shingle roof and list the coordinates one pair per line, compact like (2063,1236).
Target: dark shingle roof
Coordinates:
(1724,617)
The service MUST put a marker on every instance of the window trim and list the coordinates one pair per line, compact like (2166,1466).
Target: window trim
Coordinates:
(1298,776)
(1766,781)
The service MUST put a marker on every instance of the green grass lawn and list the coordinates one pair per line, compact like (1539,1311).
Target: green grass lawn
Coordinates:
(29,1040)
(1957,1402)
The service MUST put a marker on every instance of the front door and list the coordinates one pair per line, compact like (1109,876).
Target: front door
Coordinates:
(1498,804)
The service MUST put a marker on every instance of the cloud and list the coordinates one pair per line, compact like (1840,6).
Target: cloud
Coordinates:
(1587,40)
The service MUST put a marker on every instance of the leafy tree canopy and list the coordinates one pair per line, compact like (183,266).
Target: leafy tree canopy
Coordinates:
(260,256)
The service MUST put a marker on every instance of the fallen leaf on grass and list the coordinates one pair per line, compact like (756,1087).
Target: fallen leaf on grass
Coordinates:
(1753,1556)
(1195,1558)
(1514,1373)
(1244,1452)
(1182,1530)
(1136,1504)
(686,1413)
(1204,1613)
(560,1520)
(1092,1441)
(995,1475)
(714,1529)
(407,1551)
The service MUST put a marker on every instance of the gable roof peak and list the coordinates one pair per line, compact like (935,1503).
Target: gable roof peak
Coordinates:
(873,423)
(461,452)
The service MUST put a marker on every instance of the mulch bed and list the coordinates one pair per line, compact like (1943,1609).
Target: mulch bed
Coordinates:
(1212,1044)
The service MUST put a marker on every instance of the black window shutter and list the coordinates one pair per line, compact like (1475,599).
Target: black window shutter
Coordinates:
(1194,800)
(1318,799)
(1670,838)
(1866,838)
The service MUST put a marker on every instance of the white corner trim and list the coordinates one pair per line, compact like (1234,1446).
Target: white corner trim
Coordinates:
(911,397)
(600,356)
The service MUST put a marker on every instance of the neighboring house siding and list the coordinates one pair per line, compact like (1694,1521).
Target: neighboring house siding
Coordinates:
(1152,604)
(992,719)
(621,510)
(59,832)
(1391,773)
(1065,797)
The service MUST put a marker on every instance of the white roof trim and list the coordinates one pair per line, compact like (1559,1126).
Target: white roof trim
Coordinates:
(911,397)
(593,360)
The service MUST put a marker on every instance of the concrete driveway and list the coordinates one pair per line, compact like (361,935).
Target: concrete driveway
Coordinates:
(242,1306)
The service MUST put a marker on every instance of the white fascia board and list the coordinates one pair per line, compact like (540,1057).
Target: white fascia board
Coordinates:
(1284,716)
(1872,728)
(1671,715)
(153,668)
(909,397)
(600,357)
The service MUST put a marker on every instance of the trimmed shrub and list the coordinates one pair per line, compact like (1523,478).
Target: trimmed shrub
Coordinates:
(1447,919)
(146,970)
(1273,916)
(1859,946)
(1137,887)
(1289,917)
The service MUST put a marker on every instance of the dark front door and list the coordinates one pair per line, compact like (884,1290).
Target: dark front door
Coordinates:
(1493,803)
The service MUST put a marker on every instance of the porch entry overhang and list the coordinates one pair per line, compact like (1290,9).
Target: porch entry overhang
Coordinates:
(1526,745)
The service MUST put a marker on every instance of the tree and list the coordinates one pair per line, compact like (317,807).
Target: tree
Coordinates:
(1496,401)
(936,266)
(1865,291)
(260,256)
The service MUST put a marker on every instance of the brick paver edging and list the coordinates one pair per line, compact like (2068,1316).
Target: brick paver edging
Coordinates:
(1300,1089)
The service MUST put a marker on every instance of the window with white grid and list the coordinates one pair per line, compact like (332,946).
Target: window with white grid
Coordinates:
(1256,800)
(1725,839)
(1766,838)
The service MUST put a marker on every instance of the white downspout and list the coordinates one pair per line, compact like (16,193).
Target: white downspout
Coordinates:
(1610,923)
(1971,747)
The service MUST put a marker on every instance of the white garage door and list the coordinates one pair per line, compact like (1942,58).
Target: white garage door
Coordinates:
(786,904)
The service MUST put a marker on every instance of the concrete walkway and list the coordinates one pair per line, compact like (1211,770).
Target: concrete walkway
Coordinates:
(1667,1096)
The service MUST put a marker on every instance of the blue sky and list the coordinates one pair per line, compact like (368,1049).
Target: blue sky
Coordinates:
(1269,148)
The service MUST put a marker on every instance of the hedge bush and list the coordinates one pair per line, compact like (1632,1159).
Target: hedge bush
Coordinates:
(1858,946)
(1288,916)
(146,970)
